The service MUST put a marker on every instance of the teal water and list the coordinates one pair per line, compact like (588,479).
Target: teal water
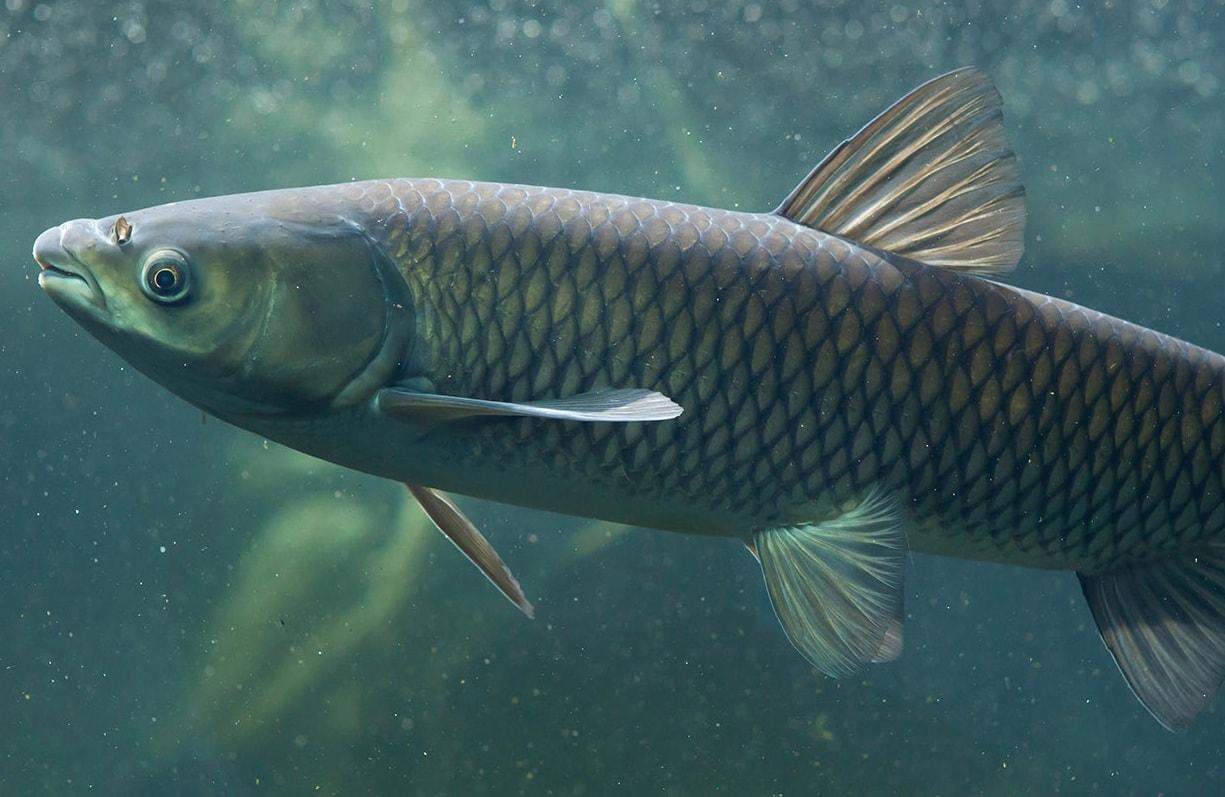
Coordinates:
(185,609)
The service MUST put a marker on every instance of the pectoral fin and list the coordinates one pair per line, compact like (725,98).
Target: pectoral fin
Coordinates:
(1164,624)
(610,405)
(836,585)
(469,540)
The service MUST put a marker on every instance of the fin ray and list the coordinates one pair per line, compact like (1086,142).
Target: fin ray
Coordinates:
(930,178)
(608,405)
(1164,624)
(836,585)
(448,518)
(891,645)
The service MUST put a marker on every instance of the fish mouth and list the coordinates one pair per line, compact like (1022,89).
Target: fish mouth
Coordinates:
(62,275)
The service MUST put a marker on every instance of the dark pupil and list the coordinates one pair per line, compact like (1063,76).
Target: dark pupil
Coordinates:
(165,280)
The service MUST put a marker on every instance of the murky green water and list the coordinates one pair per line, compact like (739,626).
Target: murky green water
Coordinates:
(186,609)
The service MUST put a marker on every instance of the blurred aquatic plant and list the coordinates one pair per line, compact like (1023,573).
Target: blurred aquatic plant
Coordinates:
(326,581)
(665,92)
(318,580)
(388,105)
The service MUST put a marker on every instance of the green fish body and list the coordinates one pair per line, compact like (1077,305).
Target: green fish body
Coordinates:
(832,383)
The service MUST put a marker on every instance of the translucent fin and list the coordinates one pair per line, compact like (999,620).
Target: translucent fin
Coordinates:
(891,646)
(836,586)
(1164,623)
(619,406)
(931,178)
(468,539)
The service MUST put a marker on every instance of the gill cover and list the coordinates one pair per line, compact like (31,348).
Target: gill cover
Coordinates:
(328,311)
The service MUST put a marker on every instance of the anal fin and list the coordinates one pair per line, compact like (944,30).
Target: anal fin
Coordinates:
(836,585)
(1164,623)
(891,645)
(469,540)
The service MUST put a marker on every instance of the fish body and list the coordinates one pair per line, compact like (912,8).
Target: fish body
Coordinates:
(1018,427)
(831,383)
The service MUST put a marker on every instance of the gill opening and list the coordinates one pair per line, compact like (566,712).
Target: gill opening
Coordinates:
(395,350)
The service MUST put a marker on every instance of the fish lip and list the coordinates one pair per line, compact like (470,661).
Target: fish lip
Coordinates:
(62,275)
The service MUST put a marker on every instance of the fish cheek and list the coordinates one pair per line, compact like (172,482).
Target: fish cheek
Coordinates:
(325,320)
(204,338)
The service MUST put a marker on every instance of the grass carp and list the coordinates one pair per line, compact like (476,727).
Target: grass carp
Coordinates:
(833,383)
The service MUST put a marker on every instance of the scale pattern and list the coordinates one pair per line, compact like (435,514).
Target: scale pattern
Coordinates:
(1018,427)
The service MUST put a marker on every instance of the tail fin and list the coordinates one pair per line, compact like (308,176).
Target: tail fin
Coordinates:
(1164,623)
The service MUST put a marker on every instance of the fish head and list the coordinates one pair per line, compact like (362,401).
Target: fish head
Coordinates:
(256,304)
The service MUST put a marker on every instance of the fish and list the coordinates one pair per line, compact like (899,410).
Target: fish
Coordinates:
(834,383)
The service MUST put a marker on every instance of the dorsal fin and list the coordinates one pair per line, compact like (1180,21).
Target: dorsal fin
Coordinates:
(931,178)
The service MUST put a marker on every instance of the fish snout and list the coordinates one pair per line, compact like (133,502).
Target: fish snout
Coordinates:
(49,247)
(61,273)
(67,242)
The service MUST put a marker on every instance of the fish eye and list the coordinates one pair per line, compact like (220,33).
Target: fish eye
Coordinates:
(166,277)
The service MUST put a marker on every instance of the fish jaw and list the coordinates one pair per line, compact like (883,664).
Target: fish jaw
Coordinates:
(63,276)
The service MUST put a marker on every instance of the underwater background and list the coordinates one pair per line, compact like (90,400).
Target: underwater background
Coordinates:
(188,609)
